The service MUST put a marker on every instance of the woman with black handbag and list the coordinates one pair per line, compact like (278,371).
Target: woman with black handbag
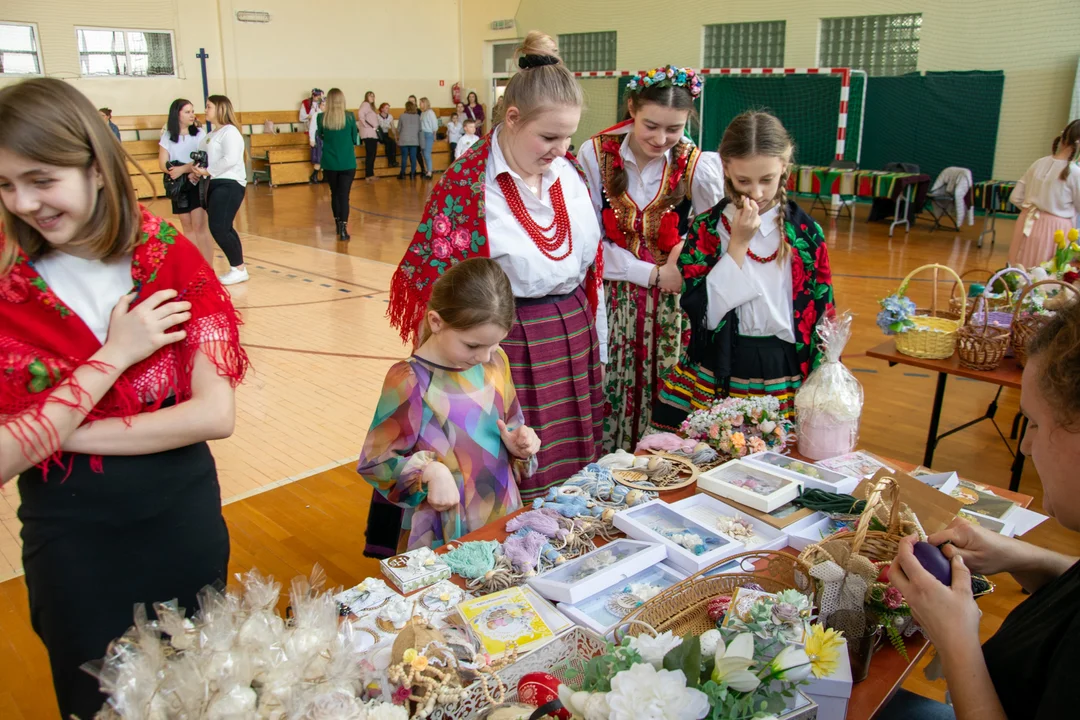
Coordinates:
(179,139)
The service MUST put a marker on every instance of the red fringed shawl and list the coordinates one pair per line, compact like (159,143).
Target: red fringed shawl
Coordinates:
(42,341)
(453,229)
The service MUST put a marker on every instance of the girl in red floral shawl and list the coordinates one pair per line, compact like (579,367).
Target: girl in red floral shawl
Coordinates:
(756,281)
(120,351)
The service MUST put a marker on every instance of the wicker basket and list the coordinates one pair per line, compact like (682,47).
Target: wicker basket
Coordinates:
(997,313)
(934,335)
(684,608)
(982,347)
(955,301)
(1027,326)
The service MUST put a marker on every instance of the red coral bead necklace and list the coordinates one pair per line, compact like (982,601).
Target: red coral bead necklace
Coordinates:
(560,223)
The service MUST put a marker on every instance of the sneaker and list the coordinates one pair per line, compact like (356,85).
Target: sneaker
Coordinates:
(235,275)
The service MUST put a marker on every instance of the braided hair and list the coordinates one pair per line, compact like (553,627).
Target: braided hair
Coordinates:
(670,96)
(1070,136)
(760,133)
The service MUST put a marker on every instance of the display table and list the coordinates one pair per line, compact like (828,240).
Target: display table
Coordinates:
(902,187)
(888,669)
(1007,375)
(993,197)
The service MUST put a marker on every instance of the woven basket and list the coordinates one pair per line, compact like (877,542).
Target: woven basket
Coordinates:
(1002,316)
(1026,326)
(982,347)
(684,608)
(955,301)
(934,335)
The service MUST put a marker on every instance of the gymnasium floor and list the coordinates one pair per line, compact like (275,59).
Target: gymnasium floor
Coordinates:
(320,345)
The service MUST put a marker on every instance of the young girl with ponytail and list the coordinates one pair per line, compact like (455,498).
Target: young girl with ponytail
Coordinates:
(757,279)
(1049,195)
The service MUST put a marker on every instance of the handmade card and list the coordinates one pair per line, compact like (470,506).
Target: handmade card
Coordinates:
(503,620)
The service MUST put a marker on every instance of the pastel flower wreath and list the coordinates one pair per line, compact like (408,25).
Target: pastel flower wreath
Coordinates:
(668,76)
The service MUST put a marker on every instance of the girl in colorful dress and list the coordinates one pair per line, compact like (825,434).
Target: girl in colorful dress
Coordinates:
(448,442)
(648,182)
(1049,195)
(520,199)
(756,279)
(121,351)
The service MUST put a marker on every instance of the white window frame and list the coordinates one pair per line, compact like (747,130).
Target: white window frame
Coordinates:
(127,51)
(37,43)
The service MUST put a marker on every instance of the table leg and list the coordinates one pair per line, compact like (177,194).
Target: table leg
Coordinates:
(935,420)
(1018,461)
(902,200)
(988,228)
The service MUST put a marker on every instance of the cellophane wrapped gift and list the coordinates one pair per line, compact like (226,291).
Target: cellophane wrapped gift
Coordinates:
(829,404)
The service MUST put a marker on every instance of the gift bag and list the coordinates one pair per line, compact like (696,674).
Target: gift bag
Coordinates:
(829,404)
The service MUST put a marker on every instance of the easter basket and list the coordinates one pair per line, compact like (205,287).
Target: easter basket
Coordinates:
(1026,324)
(973,278)
(982,346)
(930,333)
(997,308)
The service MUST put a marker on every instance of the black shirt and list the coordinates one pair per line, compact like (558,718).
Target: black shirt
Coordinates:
(1034,657)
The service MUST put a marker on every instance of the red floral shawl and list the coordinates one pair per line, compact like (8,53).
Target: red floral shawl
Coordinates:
(42,341)
(452,229)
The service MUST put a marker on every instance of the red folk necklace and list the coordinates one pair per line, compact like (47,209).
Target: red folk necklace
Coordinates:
(750,253)
(561,222)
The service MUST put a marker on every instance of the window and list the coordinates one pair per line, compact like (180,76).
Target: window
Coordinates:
(588,51)
(502,57)
(19,53)
(136,53)
(878,44)
(738,45)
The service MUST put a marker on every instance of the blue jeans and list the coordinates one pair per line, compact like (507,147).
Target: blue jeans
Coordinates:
(909,706)
(408,154)
(428,141)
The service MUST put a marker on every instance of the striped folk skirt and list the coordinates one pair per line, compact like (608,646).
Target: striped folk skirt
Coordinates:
(759,366)
(554,355)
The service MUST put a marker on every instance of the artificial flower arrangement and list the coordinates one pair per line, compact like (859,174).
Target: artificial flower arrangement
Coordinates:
(670,75)
(736,427)
(1063,266)
(896,313)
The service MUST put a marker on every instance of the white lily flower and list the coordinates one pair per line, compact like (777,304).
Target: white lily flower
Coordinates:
(791,665)
(653,649)
(732,664)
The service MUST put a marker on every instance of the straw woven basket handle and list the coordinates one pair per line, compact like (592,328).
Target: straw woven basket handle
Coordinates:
(934,302)
(972,271)
(620,630)
(1032,286)
(877,496)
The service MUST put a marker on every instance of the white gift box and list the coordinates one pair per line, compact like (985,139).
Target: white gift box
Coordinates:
(593,612)
(588,574)
(734,480)
(833,692)
(414,569)
(706,510)
(648,521)
(826,479)
(804,537)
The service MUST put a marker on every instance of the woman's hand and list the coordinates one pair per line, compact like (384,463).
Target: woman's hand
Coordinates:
(948,615)
(136,334)
(442,489)
(179,171)
(984,551)
(669,277)
(522,441)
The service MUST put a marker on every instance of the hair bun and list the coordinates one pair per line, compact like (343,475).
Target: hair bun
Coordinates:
(534,61)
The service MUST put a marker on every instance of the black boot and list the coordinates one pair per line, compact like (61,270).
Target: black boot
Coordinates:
(343,230)
(314,177)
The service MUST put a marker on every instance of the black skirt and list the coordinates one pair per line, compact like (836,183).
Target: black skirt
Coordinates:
(187,200)
(148,529)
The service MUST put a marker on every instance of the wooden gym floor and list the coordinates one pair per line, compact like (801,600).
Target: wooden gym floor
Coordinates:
(320,346)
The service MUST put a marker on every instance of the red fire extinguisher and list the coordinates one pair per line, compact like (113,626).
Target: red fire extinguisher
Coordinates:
(455,92)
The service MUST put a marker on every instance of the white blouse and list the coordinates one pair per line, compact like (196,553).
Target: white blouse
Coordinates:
(225,150)
(759,293)
(1043,187)
(706,189)
(180,151)
(90,288)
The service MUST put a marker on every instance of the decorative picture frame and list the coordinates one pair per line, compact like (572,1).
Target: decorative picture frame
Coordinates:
(750,484)
(809,474)
(585,575)
(691,546)
(605,610)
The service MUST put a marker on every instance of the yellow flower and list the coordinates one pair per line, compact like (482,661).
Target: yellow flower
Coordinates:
(410,655)
(1059,239)
(738,440)
(1074,235)
(1075,247)
(652,73)
(823,648)
(420,662)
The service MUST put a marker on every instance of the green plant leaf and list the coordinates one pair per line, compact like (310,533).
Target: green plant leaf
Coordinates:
(686,657)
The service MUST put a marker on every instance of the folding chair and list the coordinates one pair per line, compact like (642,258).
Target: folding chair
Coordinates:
(943,202)
(823,197)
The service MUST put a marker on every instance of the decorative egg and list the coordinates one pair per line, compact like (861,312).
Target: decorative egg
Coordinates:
(935,562)
(540,688)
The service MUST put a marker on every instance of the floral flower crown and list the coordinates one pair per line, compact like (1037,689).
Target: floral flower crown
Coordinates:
(668,76)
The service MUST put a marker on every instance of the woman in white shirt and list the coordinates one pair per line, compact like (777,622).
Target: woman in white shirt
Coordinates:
(179,139)
(228,179)
(496,202)
(429,125)
(649,181)
(454,130)
(386,135)
(1049,193)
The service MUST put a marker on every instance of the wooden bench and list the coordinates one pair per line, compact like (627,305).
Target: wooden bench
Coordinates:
(288,165)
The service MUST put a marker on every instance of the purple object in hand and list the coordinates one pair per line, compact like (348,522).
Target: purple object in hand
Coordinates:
(935,562)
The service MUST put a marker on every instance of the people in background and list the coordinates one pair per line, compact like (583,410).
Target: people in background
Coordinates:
(649,182)
(1049,197)
(429,125)
(514,183)
(369,133)
(227,172)
(498,113)
(179,139)
(106,115)
(1024,670)
(419,151)
(468,138)
(408,137)
(142,349)
(475,111)
(309,110)
(386,134)
(454,131)
(756,279)
(456,470)
(337,128)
